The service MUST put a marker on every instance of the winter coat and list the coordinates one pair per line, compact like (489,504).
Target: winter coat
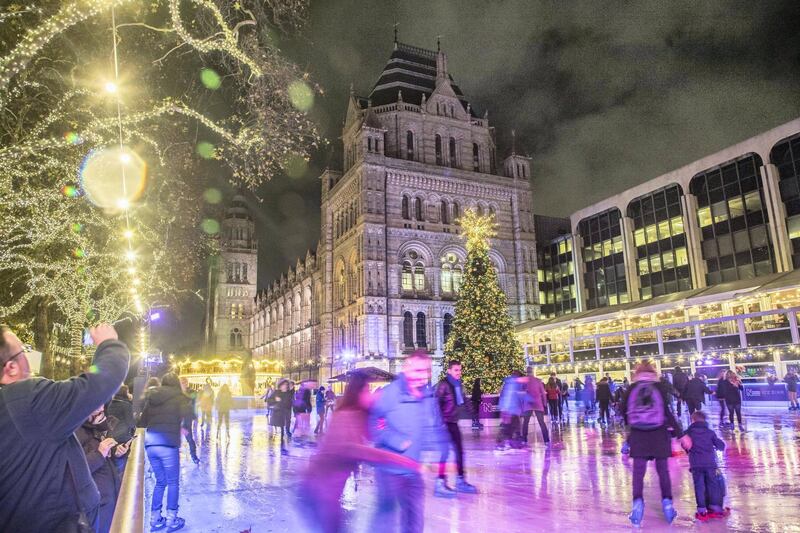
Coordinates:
(477,395)
(406,424)
(281,404)
(536,394)
(552,392)
(122,410)
(791,382)
(512,397)
(653,443)
(603,392)
(446,397)
(207,399)
(729,392)
(695,390)
(588,391)
(104,470)
(679,380)
(38,418)
(224,400)
(704,445)
(163,414)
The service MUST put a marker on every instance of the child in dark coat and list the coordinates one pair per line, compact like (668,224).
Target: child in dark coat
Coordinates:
(702,444)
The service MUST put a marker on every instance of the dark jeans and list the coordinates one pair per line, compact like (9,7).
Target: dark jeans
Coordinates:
(693,405)
(458,446)
(165,462)
(476,411)
(721,411)
(605,411)
(540,417)
(707,491)
(206,420)
(192,443)
(406,491)
(734,408)
(508,430)
(226,417)
(639,469)
(555,408)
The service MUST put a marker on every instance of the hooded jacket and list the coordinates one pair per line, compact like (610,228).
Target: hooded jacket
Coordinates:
(38,418)
(165,409)
(695,390)
(704,445)
(537,397)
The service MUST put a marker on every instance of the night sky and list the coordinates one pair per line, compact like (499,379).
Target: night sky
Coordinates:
(602,96)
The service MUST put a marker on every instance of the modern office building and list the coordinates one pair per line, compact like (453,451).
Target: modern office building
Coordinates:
(695,267)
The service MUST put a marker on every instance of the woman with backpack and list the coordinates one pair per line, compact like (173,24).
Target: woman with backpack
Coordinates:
(652,424)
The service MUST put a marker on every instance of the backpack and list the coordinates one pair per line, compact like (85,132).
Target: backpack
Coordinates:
(646,406)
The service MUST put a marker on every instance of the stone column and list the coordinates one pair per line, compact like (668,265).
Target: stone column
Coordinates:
(629,255)
(777,218)
(694,238)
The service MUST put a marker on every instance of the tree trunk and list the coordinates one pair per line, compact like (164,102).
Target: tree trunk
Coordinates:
(41,335)
(75,343)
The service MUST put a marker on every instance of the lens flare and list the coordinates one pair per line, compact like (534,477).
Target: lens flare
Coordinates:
(212,195)
(113,178)
(300,95)
(70,191)
(79,253)
(76,227)
(210,79)
(73,138)
(205,150)
(210,226)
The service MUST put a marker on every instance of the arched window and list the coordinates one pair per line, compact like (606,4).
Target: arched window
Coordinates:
(448,325)
(453,159)
(447,278)
(410,145)
(456,212)
(407,277)
(418,209)
(438,144)
(480,210)
(342,288)
(445,214)
(421,340)
(408,329)
(491,210)
(419,277)
(404,208)
(369,144)
(476,163)
(457,275)
(232,340)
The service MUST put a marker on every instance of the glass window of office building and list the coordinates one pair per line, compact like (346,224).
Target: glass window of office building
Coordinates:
(603,258)
(660,240)
(786,156)
(557,278)
(732,216)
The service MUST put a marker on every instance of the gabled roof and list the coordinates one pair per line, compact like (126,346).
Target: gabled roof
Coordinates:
(411,70)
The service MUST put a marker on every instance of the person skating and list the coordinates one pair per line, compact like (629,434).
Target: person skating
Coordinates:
(701,445)
(450,395)
(732,394)
(343,447)
(224,403)
(553,398)
(695,394)
(536,406)
(719,394)
(319,400)
(206,406)
(475,398)
(603,395)
(187,429)
(560,408)
(589,395)
(679,381)
(166,411)
(564,405)
(301,406)
(651,424)
(511,406)
(45,480)
(791,389)
(102,450)
(281,411)
(405,419)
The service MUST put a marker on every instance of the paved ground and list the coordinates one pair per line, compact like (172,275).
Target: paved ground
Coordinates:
(243,482)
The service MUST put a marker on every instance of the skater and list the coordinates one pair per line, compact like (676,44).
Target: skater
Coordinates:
(695,394)
(224,404)
(732,393)
(302,411)
(281,408)
(319,400)
(604,399)
(475,398)
(511,406)
(553,398)
(165,411)
(188,425)
(564,406)
(342,449)
(791,389)
(651,422)
(578,386)
(588,395)
(560,414)
(406,420)
(450,396)
(206,406)
(701,446)
(535,405)
(719,392)
(679,381)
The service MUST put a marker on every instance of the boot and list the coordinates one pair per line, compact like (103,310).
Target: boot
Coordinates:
(637,513)
(669,511)
(463,486)
(174,522)
(441,490)
(157,522)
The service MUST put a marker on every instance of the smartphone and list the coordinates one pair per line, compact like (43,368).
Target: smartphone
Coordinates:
(87,337)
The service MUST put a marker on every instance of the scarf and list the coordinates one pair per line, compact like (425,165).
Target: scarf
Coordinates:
(456,383)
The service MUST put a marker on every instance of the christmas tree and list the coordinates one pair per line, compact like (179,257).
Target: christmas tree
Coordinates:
(482,337)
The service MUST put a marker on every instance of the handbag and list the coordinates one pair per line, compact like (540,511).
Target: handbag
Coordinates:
(76,522)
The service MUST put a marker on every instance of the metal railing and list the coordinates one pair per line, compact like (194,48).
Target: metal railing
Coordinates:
(129,512)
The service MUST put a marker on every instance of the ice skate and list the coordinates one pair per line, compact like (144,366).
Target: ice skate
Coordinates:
(463,486)
(442,490)
(669,510)
(174,522)
(157,522)
(637,513)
